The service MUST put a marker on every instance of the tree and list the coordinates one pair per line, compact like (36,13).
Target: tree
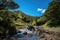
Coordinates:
(7,18)
(8,4)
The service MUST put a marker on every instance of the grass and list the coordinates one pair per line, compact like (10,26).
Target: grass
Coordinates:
(46,26)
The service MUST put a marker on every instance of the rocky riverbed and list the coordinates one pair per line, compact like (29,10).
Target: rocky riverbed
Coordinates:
(44,34)
(49,34)
(22,37)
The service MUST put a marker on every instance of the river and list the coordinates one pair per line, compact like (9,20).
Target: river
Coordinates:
(29,36)
(20,36)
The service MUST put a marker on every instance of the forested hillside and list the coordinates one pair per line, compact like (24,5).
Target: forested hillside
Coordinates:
(25,20)
(51,16)
(9,20)
(7,26)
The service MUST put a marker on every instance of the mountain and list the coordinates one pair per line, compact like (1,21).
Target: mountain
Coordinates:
(51,16)
(24,19)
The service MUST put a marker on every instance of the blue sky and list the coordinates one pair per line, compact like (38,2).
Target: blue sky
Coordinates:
(33,7)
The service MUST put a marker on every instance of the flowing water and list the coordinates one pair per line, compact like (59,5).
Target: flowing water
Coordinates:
(26,37)
(29,36)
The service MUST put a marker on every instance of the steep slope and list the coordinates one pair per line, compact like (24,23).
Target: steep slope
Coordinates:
(51,16)
(24,19)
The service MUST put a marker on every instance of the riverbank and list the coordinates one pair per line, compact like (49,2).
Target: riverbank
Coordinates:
(44,34)
(49,34)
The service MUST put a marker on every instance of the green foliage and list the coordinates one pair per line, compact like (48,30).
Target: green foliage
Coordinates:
(8,4)
(53,11)
(7,24)
(54,23)
(7,18)
(24,19)
(42,20)
(52,14)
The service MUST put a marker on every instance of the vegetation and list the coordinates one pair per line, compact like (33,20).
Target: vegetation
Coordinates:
(10,20)
(51,16)
(24,19)
(7,26)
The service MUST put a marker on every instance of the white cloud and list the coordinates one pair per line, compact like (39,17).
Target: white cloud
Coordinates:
(41,10)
